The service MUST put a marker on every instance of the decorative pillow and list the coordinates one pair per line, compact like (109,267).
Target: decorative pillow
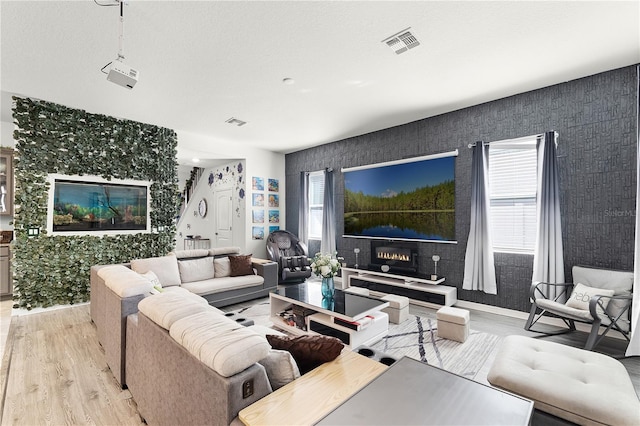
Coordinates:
(308,351)
(154,280)
(196,269)
(281,368)
(165,268)
(582,294)
(240,265)
(222,266)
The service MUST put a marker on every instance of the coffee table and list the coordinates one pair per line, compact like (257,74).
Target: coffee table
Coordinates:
(411,393)
(360,317)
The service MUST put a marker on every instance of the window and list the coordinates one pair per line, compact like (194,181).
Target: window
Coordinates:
(316,199)
(513,183)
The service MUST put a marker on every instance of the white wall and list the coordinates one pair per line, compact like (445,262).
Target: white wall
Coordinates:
(257,162)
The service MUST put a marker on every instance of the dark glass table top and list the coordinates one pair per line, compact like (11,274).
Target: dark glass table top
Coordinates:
(347,304)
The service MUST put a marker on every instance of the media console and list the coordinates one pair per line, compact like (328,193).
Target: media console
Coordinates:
(420,291)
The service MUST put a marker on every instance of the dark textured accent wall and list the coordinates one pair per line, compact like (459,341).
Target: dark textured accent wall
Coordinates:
(596,120)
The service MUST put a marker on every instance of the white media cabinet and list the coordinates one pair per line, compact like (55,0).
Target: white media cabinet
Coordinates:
(420,291)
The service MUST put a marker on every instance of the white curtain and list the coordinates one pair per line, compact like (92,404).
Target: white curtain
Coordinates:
(303,209)
(479,269)
(548,259)
(328,243)
(634,346)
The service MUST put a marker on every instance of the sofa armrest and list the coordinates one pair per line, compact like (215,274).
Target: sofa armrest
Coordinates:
(267,270)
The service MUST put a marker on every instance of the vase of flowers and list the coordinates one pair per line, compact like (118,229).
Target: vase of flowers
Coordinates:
(325,266)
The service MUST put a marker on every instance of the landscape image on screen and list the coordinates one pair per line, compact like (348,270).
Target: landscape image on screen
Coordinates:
(412,200)
(88,206)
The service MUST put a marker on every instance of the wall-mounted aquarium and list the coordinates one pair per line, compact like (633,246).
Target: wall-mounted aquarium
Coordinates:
(80,205)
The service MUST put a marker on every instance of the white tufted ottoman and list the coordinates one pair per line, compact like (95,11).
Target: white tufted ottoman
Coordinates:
(398,309)
(453,323)
(583,387)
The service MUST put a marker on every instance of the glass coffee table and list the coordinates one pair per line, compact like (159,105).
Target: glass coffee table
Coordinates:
(354,319)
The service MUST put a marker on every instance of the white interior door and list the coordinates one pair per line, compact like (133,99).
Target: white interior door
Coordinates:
(224,217)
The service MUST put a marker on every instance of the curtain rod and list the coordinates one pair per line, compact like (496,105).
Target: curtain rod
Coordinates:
(514,140)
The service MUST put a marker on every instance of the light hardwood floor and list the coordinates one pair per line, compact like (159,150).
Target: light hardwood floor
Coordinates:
(54,372)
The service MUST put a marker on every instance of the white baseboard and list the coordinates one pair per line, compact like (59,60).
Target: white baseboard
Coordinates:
(22,311)
(524,315)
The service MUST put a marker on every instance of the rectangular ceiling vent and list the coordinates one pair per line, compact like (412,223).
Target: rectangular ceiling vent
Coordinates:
(236,122)
(402,41)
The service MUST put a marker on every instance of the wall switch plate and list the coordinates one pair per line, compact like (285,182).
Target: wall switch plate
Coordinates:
(247,389)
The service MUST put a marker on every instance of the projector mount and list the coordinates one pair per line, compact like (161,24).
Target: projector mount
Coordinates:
(120,73)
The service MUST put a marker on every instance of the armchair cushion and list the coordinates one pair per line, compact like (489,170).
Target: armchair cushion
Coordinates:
(621,282)
(582,294)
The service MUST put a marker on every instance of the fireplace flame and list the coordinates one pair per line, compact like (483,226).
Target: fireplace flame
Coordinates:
(393,256)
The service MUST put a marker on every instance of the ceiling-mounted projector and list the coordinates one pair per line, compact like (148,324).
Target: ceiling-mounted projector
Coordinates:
(122,75)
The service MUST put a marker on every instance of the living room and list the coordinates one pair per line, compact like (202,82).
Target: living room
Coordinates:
(590,102)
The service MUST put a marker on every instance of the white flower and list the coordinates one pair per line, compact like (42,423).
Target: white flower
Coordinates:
(324,265)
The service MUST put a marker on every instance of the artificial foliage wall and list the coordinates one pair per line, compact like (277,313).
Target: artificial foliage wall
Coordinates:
(50,138)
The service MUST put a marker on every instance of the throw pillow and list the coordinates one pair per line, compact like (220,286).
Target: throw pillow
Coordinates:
(281,368)
(154,280)
(582,294)
(222,267)
(240,265)
(308,351)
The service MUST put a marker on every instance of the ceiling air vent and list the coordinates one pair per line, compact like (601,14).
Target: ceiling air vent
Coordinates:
(236,122)
(402,41)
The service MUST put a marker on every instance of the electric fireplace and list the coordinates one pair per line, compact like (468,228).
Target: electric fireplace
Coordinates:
(394,256)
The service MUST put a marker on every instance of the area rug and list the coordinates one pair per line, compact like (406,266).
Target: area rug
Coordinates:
(417,338)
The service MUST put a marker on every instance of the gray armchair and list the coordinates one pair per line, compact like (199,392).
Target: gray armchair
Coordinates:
(291,254)
(611,309)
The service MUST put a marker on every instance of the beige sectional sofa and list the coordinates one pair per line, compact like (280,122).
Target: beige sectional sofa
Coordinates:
(189,364)
(116,290)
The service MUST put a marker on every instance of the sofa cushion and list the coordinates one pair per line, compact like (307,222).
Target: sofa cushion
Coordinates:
(196,269)
(281,368)
(222,267)
(308,351)
(165,267)
(189,295)
(220,343)
(240,265)
(217,285)
(170,306)
(123,281)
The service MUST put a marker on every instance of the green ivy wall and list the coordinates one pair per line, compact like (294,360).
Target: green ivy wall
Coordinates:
(50,138)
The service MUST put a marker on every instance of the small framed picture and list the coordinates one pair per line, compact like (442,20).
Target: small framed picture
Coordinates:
(274,216)
(273,228)
(257,183)
(257,200)
(274,200)
(258,216)
(257,232)
(274,185)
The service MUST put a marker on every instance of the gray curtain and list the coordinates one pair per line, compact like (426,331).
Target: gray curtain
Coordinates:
(303,209)
(479,269)
(328,244)
(548,260)
(634,345)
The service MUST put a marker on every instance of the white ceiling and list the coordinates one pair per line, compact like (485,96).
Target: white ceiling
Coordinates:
(203,62)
